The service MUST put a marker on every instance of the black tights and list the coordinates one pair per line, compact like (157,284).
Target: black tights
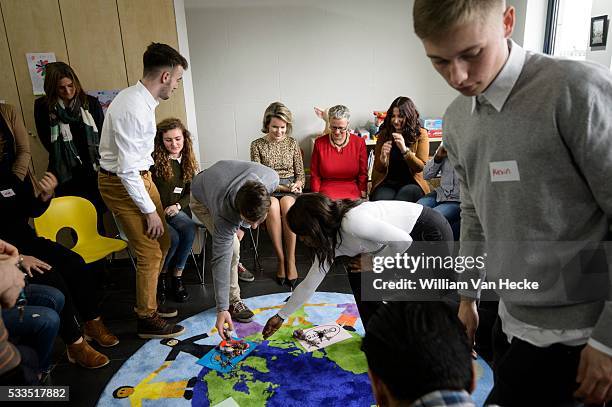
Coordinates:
(431,226)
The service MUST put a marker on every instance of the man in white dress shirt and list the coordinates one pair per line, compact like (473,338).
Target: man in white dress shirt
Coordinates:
(126,144)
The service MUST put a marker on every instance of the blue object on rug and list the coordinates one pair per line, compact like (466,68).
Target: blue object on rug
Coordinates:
(214,359)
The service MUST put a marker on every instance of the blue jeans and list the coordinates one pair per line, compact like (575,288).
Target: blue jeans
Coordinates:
(40,323)
(450,210)
(182,232)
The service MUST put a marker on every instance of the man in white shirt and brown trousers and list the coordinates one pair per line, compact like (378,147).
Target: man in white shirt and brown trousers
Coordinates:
(125,183)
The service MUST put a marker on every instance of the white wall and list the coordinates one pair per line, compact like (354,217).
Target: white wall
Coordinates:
(602,55)
(535,25)
(519,25)
(246,54)
(530,23)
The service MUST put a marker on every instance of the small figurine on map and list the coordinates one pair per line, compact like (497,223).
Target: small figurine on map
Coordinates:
(301,336)
(231,348)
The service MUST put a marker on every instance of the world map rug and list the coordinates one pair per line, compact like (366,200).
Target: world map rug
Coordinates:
(278,371)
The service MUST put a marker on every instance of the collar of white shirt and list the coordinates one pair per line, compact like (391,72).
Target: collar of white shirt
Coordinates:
(148,97)
(497,93)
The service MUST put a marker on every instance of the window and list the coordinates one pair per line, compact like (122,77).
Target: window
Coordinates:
(567,28)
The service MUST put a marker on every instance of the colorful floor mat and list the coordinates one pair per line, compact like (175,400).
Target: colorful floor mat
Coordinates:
(277,373)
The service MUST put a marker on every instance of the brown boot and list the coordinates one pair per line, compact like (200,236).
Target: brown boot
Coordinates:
(96,330)
(86,356)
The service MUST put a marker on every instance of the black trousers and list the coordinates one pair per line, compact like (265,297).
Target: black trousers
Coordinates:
(431,226)
(72,277)
(527,375)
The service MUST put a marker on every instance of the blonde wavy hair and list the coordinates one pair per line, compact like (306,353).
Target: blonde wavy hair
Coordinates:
(161,157)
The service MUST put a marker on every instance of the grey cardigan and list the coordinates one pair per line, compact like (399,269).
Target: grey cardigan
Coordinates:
(216,188)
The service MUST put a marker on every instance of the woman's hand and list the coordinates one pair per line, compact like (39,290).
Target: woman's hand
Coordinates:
(398,138)
(272,326)
(360,263)
(13,279)
(47,186)
(31,263)
(384,153)
(296,188)
(9,251)
(172,210)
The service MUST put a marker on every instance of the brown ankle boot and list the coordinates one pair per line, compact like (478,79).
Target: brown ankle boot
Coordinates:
(97,331)
(86,356)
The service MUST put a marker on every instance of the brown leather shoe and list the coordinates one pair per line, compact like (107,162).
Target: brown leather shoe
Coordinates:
(86,356)
(156,327)
(96,330)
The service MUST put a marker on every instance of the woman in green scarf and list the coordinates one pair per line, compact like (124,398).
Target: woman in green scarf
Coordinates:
(68,122)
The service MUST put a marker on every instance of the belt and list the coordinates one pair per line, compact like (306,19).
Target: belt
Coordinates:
(103,171)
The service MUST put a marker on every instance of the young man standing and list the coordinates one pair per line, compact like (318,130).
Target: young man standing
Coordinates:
(226,196)
(126,144)
(530,137)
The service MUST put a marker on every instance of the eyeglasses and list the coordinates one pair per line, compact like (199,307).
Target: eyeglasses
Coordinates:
(340,129)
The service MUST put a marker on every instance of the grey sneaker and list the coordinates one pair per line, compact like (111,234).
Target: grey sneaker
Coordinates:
(244,274)
(240,312)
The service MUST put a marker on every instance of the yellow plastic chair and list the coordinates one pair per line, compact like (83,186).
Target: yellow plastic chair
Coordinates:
(80,215)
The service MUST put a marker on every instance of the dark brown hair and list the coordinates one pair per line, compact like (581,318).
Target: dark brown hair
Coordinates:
(253,201)
(159,56)
(56,71)
(318,218)
(161,157)
(412,126)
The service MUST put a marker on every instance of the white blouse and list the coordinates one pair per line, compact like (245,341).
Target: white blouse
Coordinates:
(381,227)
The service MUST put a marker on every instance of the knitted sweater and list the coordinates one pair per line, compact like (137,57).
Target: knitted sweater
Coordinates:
(534,157)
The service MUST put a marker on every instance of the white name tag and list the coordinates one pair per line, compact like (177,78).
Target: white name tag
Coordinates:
(502,171)
(178,190)
(7,193)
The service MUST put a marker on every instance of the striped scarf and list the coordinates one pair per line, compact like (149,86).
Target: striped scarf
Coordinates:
(64,156)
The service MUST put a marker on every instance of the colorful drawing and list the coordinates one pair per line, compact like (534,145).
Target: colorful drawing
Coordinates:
(37,63)
(105,97)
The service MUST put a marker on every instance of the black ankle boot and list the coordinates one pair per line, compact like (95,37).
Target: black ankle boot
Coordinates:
(180,293)
(162,288)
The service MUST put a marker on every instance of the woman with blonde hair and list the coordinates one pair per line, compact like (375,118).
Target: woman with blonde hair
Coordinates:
(175,165)
(281,152)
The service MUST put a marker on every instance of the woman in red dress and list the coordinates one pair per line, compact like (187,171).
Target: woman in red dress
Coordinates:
(339,162)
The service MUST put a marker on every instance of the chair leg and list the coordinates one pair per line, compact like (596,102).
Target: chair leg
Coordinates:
(197,266)
(256,263)
(131,258)
(199,270)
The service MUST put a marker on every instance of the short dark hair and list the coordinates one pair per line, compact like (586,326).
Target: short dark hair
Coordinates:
(158,56)
(253,201)
(416,348)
